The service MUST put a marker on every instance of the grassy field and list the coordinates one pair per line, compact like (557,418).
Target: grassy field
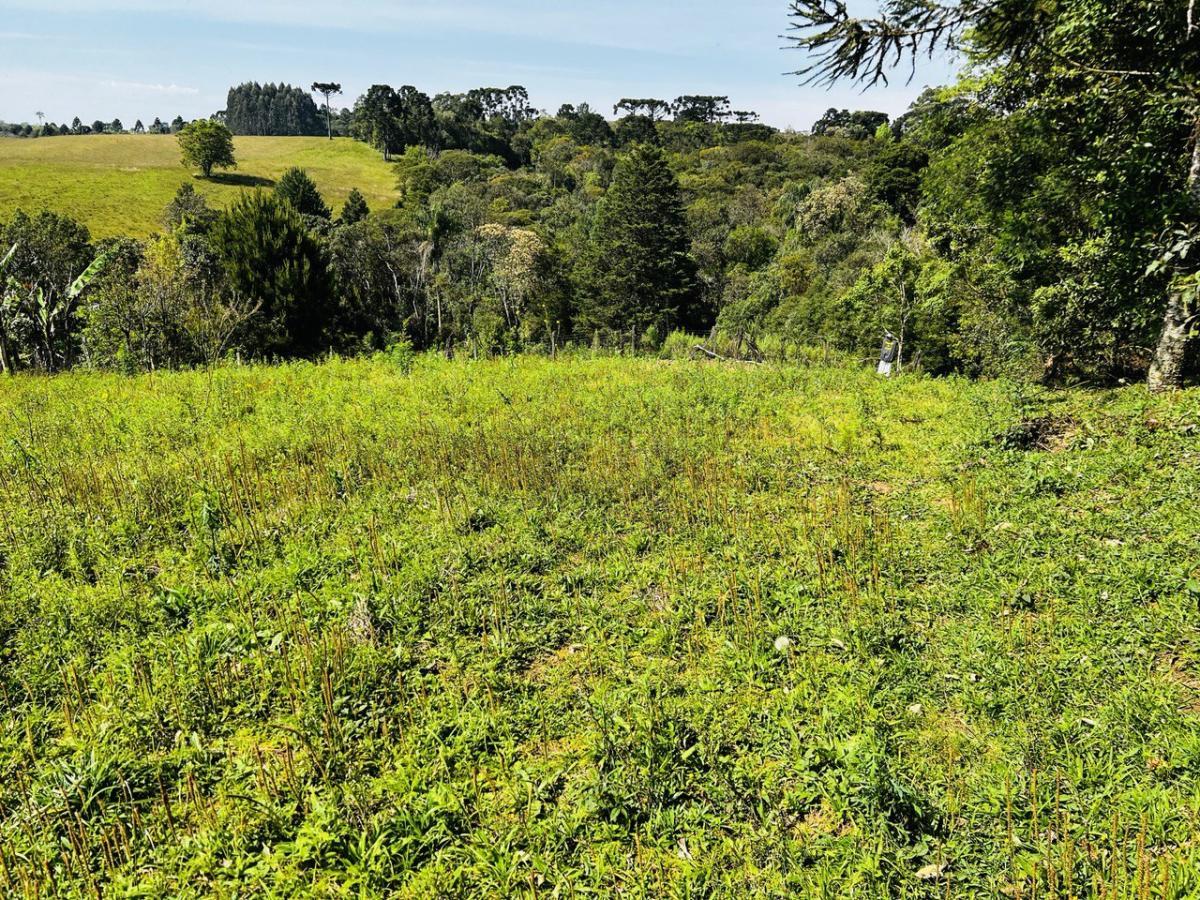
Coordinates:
(596,627)
(119,184)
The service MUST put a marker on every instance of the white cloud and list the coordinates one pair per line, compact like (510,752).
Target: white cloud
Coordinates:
(143,88)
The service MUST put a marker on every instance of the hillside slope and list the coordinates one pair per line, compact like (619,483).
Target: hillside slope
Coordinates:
(596,627)
(119,184)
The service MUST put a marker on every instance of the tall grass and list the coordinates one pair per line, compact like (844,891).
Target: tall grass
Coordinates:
(593,626)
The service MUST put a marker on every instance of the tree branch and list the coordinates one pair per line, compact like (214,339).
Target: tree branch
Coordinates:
(1083,67)
(844,47)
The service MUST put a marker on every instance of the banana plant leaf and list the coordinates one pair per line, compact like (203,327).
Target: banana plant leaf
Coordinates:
(90,274)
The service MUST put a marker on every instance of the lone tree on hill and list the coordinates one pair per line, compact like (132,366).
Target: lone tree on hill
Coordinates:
(328,89)
(207,145)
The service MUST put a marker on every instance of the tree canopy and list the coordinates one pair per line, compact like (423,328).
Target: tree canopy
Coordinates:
(272,109)
(295,187)
(1101,96)
(637,271)
(269,258)
(207,145)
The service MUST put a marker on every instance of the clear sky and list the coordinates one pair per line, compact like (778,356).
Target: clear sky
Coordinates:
(137,59)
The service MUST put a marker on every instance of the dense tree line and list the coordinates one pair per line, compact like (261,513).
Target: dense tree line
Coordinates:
(77,127)
(616,233)
(1038,219)
(501,122)
(272,109)
(595,240)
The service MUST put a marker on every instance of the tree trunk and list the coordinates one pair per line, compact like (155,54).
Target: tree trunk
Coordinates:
(1166,371)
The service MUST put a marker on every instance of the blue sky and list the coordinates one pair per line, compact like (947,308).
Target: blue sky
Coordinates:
(132,59)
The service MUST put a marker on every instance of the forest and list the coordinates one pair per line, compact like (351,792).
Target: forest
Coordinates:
(1035,219)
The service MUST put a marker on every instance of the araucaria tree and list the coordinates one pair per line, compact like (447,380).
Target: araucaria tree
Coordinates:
(637,271)
(207,145)
(1102,94)
(327,89)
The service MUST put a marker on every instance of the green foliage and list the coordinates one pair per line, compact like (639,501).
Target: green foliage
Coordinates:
(296,188)
(637,270)
(858,125)
(207,145)
(189,211)
(363,257)
(633,130)
(355,209)
(750,246)
(269,258)
(420,173)
(44,257)
(894,177)
(1079,143)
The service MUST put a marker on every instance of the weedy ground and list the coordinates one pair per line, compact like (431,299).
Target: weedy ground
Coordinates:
(119,184)
(596,627)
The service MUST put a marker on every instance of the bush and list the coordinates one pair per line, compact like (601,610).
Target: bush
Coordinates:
(401,353)
(678,345)
(299,190)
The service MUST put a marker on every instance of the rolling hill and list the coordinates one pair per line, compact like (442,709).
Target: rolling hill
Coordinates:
(119,184)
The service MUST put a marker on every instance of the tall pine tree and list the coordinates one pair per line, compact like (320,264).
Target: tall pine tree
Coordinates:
(301,191)
(637,271)
(271,261)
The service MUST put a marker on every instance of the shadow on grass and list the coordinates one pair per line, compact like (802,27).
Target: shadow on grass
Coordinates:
(234,180)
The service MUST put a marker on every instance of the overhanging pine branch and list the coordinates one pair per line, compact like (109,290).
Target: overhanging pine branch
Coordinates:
(843,47)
